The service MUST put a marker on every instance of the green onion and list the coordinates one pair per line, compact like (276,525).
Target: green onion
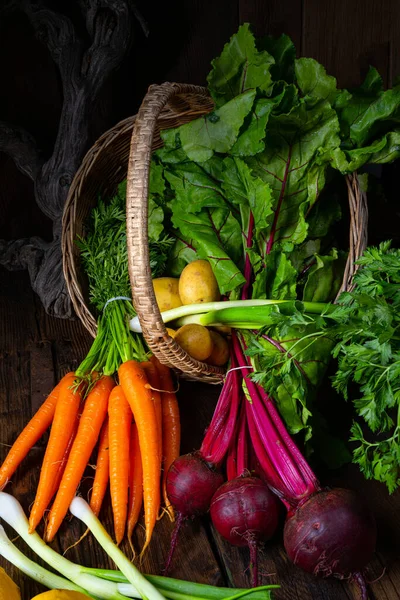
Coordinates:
(33,570)
(11,512)
(185,590)
(240,314)
(195,309)
(80,509)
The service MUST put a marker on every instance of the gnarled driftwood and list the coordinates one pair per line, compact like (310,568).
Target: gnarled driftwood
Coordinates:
(83,71)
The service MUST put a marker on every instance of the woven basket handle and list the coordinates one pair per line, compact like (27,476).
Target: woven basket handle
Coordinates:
(137,219)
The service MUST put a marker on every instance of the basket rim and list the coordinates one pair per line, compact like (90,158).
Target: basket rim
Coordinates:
(68,240)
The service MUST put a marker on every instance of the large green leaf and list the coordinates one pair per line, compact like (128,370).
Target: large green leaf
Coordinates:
(324,278)
(251,139)
(240,67)
(215,235)
(284,53)
(182,253)
(241,186)
(383,150)
(217,131)
(294,164)
(370,113)
(195,187)
(314,82)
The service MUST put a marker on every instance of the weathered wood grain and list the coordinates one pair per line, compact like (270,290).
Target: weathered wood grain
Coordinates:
(347,36)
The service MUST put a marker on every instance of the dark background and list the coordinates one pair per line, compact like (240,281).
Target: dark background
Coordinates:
(346,36)
(35,350)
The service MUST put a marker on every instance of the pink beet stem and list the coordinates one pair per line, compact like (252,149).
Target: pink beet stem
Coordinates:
(231,463)
(268,471)
(223,424)
(295,483)
(242,452)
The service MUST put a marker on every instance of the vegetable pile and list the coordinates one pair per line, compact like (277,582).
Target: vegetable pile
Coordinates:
(247,210)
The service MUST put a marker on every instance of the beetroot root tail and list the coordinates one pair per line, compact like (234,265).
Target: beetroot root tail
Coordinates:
(174,540)
(359,579)
(253,547)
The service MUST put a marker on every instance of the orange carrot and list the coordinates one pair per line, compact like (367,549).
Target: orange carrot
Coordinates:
(171,427)
(64,460)
(120,420)
(93,415)
(135,483)
(67,408)
(154,380)
(102,471)
(135,385)
(30,434)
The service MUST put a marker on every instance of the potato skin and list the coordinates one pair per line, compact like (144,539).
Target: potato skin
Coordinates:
(197,283)
(220,353)
(166,290)
(195,340)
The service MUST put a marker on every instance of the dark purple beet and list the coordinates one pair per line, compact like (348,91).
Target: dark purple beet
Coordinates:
(332,533)
(191,483)
(245,512)
(243,509)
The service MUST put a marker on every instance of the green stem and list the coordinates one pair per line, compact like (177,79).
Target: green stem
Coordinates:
(195,309)
(80,509)
(172,588)
(242,314)
(32,569)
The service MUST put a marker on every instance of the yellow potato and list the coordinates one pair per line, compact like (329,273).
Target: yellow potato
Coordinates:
(220,353)
(8,589)
(225,329)
(61,595)
(166,290)
(195,340)
(197,283)
(172,332)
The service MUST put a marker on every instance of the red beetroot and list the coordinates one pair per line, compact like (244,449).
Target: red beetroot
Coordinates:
(327,532)
(191,483)
(332,533)
(245,512)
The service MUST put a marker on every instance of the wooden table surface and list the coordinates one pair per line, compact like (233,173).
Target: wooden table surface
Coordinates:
(36,350)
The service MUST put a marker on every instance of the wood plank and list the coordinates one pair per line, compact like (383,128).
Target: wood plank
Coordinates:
(346,36)
(394,42)
(184,37)
(274,18)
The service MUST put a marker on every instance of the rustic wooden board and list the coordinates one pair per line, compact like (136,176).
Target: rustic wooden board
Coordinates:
(36,350)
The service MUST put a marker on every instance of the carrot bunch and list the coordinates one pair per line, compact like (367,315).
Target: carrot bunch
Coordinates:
(133,426)
(112,405)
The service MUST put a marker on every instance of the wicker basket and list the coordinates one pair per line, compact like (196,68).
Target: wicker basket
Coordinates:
(106,164)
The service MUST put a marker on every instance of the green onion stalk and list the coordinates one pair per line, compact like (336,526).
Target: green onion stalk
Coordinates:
(102,584)
(240,314)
